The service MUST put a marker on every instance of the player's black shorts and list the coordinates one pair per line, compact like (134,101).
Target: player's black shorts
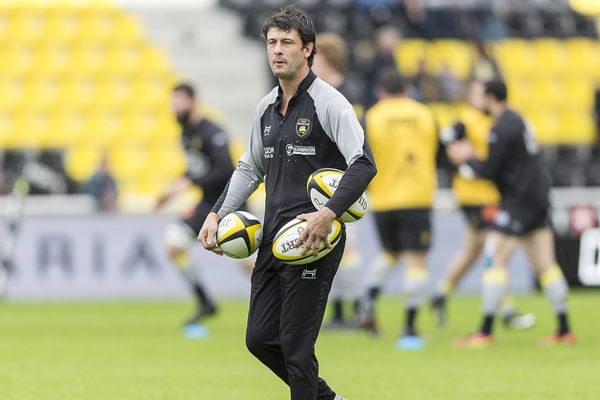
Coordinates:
(520,221)
(407,229)
(479,217)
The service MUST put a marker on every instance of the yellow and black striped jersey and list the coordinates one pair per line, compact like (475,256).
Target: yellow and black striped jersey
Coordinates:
(475,192)
(403,137)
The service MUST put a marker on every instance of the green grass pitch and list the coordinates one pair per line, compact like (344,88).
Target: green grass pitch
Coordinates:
(136,351)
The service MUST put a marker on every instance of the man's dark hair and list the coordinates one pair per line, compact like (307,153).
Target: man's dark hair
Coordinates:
(391,81)
(497,89)
(186,88)
(291,17)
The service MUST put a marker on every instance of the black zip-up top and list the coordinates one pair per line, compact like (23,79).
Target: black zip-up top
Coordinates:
(514,164)
(319,130)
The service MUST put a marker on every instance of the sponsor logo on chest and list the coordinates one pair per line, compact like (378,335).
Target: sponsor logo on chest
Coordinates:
(269,151)
(293,149)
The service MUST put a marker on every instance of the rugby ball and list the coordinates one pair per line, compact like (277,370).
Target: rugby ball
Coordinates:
(284,243)
(323,183)
(239,234)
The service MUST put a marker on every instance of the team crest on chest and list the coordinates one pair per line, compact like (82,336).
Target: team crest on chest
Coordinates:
(302,126)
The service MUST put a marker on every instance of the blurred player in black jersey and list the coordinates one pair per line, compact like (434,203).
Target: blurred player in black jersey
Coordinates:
(513,164)
(478,199)
(209,167)
(330,65)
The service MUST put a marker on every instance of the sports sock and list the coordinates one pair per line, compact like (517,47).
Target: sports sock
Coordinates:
(563,324)
(555,286)
(378,271)
(415,285)
(184,265)
(495,280)
(487,324)
(508,305)
(409,325)
(444,288)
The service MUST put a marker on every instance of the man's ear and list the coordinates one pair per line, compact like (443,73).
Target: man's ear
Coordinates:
(308,49)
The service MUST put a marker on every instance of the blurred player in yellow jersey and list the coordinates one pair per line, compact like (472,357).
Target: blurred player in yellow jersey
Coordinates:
(478,199)
(403,136)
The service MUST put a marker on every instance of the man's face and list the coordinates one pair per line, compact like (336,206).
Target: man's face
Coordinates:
(182,106)
(475,96)
(486,107)
(287,55)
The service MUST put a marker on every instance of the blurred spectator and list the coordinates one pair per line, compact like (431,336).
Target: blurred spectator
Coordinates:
(425,85)
(443,19)
(490,18)
(103,187)
(387,39)
(484,67)
(330,65)
(450,87)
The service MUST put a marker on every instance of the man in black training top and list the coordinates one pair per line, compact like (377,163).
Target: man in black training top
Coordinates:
(302,125)
(209,167)
(514,165)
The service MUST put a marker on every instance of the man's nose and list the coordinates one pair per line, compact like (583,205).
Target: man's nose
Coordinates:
(278,48)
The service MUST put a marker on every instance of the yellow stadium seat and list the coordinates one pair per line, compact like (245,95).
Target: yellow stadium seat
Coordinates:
(64,26)
(115,90)
(548,92)
(578,94)
(408,54)
(142,126)
(153,89)
(82,161)
(455,54)
(7,122)
(125,59)
(577,128)
(80,90)
(105,126)
(19,59)
(28,26)
(6,22)
(44,90)
(168,162)
(53,58)
(545,126)
(67,126)
(13,89)
(516,57)
(31,126)
(550,56)
(583,57)
(128,162)
(90,58)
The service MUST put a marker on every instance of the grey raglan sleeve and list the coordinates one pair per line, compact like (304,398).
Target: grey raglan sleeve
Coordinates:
(250,171)
(338,119)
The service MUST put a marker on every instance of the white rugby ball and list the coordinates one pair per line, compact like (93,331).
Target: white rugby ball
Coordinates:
(239,234)
(321,186)
(284,243)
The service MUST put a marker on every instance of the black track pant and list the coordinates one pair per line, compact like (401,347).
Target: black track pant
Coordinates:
(287,304)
